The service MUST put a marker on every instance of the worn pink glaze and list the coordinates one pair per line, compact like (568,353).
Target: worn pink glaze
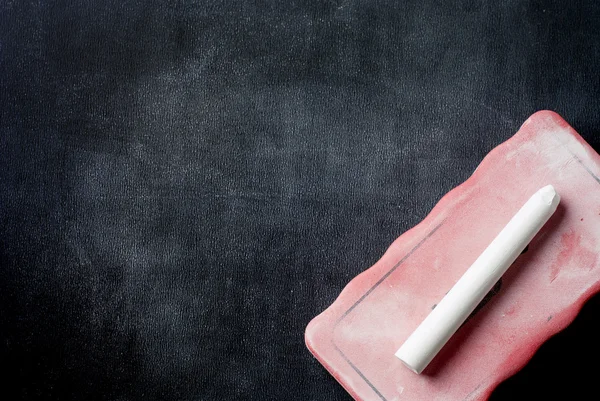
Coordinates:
(356,337)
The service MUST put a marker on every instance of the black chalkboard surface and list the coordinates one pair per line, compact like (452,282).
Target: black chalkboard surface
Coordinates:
(184,185)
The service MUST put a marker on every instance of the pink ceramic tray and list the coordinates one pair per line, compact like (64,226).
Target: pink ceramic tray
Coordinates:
(356,337)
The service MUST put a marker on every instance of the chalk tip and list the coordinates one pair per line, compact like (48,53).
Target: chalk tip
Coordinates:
(549,195)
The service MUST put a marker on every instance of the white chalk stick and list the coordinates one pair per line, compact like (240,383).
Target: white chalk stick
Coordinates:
(450,313)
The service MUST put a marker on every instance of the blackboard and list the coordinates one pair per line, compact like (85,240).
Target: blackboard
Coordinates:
(184,185)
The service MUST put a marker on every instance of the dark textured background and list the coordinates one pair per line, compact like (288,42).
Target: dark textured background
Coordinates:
(184,185)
